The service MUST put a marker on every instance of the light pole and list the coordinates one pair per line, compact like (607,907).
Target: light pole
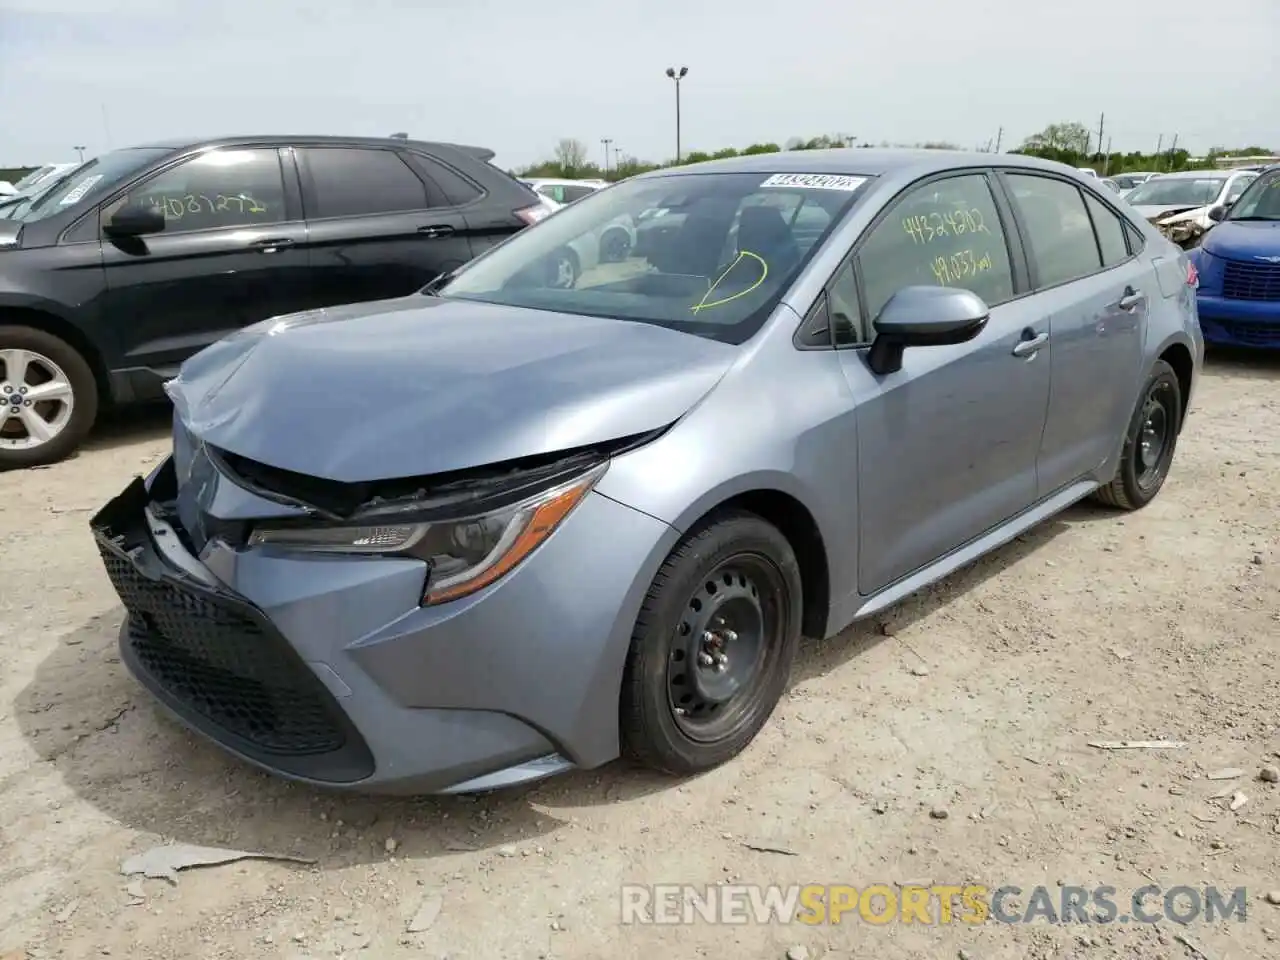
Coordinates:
(605,141)
(677,76)
(80,150)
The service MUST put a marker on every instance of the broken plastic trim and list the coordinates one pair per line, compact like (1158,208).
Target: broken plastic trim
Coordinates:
(431,498)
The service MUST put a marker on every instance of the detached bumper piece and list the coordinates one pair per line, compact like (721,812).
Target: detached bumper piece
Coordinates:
(217,662)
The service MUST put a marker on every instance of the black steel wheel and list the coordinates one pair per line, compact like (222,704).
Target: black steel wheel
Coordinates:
(713,646)
(1149,443)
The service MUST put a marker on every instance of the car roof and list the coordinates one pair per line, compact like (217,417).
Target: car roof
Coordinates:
(862,162)
(560,181)
(480,153)
(1197,175)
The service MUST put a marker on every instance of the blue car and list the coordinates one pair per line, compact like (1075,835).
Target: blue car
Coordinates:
(1239,267)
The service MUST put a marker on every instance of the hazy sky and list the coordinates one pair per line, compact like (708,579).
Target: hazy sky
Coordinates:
(518,76)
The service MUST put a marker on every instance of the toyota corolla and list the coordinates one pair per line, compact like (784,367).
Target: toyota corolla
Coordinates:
(511,526)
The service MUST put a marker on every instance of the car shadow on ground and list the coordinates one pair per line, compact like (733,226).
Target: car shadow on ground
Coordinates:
(818,657)
(113,748)
(1239,363)
(135,424)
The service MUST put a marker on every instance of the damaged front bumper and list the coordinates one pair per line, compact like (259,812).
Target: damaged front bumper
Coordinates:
(1185,233)
(329,670)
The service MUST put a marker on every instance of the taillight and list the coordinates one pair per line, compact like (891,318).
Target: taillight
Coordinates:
(1193,275)
(531,215)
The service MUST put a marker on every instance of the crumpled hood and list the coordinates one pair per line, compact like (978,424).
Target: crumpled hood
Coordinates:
(424,385)
(1157,213)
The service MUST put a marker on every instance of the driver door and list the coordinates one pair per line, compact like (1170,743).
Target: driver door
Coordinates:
(947,445)
(232,253)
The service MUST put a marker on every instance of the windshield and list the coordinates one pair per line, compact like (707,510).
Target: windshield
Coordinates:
(711,255)
(1261,201)
(1178,192)
(86,180)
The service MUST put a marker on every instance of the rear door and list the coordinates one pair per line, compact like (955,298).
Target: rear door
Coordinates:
(1096,292)
(232,253)
(378,228)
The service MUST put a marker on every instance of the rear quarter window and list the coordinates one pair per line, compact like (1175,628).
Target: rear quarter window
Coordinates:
(457,188)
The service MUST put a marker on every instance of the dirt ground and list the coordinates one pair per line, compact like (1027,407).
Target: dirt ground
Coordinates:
(978,697)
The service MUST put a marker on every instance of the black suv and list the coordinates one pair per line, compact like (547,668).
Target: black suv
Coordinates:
(140,258)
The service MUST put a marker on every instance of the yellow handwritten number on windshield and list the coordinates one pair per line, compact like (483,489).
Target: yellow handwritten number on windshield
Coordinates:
(704,304)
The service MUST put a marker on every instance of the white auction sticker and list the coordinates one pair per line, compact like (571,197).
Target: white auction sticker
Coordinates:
(815,181)
(83,187)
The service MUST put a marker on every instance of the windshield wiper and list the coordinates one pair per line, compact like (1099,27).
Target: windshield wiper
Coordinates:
(432,289)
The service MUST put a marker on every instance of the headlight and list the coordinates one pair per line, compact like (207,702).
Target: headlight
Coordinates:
(463,555)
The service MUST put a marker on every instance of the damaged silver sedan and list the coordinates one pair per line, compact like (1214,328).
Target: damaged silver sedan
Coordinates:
(548,512)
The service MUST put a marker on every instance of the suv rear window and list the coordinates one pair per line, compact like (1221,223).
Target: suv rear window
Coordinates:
(353,182)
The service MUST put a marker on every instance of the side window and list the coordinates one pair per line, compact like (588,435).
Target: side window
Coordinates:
(577,193)
(552,191)
(1238,187)
(353,182)
(220,188)
(1136,240)
(457,188)
(945,233)
(1059,232)
(844,310)
(1110,232)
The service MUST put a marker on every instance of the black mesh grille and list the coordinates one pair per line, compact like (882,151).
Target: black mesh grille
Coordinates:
(1251,281)
(224,665)
(1251,334)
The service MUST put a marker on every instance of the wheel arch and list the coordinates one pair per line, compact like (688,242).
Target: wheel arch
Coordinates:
(63,329)
(1178,355)
(775,499)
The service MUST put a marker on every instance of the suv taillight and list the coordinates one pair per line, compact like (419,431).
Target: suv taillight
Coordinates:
(531,215)
(1193,275)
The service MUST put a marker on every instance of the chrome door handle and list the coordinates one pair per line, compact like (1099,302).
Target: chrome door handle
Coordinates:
(1131,299)
(271,245)
(1025,348)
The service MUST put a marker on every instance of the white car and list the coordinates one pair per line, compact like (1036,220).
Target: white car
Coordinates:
(611,243)
(563,191)
(1178,204)
(33,180)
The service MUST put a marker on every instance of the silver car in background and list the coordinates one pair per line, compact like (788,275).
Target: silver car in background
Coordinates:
(510,527)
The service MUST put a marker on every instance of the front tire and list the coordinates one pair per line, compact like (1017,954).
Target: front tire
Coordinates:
(49,397)
(1149,443)
(713,645)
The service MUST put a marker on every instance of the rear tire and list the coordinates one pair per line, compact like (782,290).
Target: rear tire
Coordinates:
(713,645)
(31,359)
(1149,443)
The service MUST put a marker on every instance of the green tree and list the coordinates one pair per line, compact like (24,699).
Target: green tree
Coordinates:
(1069,137)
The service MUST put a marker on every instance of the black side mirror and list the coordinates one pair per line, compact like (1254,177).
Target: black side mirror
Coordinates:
(924,317)
(134,221)
(1218,214)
